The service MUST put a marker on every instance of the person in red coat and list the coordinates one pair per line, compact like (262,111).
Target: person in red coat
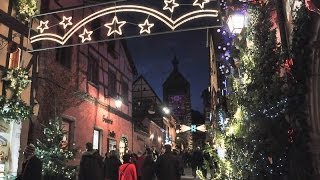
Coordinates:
(127,171)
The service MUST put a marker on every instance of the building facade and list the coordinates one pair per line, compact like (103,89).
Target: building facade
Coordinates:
(14,53)
(176,95)
(149,117)
(82,84)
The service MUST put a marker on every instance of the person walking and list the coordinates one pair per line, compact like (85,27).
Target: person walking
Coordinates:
(148,167)
(127,171)
(167,165)
(32,166)
(111,166)
(91,164)
(139,162)
(196,161)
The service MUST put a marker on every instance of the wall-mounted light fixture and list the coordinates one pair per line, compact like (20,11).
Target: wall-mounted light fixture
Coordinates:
(118,102)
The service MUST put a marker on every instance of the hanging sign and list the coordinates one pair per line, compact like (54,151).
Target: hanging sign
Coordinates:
(119,20)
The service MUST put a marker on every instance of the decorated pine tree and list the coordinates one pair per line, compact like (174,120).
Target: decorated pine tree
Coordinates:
(53,152)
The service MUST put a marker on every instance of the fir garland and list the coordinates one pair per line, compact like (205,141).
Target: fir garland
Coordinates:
(26,8)
(14,109)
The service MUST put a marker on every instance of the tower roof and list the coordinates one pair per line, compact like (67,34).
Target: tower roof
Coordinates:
(175,79)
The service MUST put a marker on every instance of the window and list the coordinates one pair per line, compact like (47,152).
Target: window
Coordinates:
(112,49)
(96,139)
(112,84)
(93,70)
(67,139)
(63,56)
(124,92)
(96,24)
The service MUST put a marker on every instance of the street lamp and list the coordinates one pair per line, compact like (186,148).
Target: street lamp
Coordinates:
(118,102)
(236,22)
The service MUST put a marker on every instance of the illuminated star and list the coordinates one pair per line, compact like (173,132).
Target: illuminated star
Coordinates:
(200,3)
(170,4)
(115,26)
(43,25)
(86,35)
(146,26)
(63,22)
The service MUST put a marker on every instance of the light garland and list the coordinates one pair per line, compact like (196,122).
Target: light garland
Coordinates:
(14,110)
(49,149)
(115,26)
(86,35)
(19,79)
(43,26)
(26,8)
(146,27)
(172,24)
(170,5)
(200,3)
(63,22)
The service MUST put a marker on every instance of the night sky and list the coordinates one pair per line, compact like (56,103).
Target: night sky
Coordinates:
(153,55)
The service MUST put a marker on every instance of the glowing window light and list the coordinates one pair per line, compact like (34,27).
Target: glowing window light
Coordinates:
(146,26)
(170,5)
(86,35)
(200,3)
(236,23)
(63,22)
(43,25)
(115,26)
(128,8)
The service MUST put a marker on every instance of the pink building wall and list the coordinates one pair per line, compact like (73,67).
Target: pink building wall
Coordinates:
(97,106)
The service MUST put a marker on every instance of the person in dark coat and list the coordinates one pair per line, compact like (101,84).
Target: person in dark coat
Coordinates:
(167,165)
(180,163)
(91,164)
(196,161)
(148,167)
(32,166)
(111,166)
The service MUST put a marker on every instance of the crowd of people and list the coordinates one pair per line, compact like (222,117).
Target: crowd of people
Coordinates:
(148,165)
(141,166)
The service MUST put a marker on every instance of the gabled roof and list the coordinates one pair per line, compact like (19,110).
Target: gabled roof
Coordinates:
(128,54)
(150,87)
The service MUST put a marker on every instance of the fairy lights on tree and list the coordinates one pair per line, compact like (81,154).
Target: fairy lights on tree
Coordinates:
(53,154)
(264,133)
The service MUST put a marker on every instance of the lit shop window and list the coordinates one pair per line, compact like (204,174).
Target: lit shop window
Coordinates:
(96,139)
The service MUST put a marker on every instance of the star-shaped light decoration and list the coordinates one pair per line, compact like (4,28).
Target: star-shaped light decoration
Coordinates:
(200,3)
(43,25)
(146,26)
(86,35)
(66,22)
(170,4)
(115,26)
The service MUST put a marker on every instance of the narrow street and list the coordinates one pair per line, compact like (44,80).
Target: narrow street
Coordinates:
(188,174)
